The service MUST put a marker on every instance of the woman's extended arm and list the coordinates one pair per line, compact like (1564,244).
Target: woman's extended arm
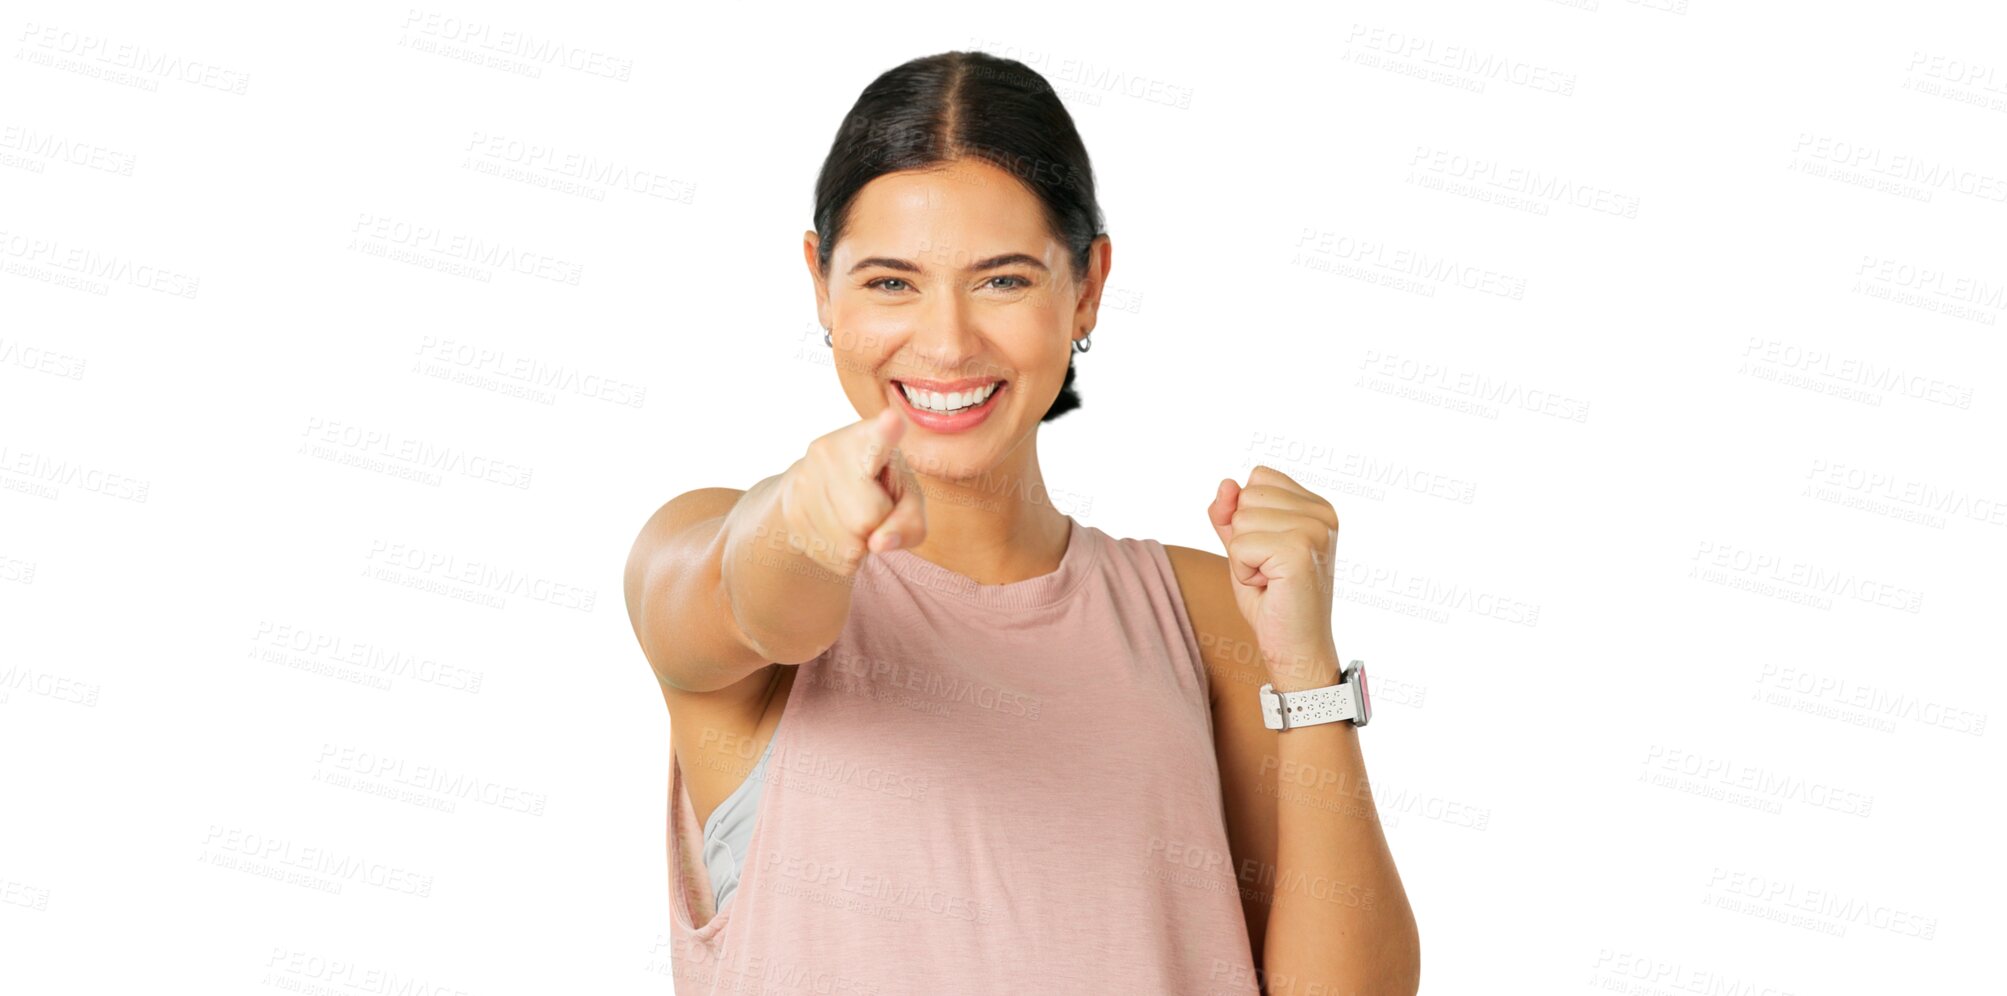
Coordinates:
(722,583)
(704,627)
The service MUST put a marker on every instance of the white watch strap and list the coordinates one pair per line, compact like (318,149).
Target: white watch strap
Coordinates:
(1308,707)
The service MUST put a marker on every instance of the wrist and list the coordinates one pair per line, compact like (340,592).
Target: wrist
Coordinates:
(1296,672)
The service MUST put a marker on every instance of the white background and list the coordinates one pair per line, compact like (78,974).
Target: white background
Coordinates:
(1670,476)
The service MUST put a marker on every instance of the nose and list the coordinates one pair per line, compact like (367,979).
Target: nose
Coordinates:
(943,340)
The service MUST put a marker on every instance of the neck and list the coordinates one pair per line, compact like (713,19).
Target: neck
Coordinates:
(997,527)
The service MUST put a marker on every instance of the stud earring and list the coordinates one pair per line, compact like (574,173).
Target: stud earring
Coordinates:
(1080,345)
(825,337)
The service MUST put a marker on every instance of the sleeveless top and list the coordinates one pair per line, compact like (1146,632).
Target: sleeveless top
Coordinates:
(982,789)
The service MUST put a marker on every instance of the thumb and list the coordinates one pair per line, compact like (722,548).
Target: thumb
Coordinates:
(1226,498)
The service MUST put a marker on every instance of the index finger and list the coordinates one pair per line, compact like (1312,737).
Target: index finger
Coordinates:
(874,439)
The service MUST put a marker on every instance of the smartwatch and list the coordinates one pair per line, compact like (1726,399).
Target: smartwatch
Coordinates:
(1346,700)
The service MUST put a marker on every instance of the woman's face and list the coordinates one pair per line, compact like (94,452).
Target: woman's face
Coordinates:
(946,282)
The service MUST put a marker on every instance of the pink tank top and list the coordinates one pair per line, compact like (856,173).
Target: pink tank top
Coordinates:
(983,789)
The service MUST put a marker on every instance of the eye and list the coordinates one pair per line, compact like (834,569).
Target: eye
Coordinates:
(885,280)
(1021,282)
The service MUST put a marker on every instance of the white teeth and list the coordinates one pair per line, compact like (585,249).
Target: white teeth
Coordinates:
(935,401)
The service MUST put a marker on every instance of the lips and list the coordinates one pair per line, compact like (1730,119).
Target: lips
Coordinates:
(959,420)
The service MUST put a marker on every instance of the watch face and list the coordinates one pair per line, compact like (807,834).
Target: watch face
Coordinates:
(1365,698)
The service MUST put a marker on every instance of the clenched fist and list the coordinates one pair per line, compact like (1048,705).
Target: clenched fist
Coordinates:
(1281,540)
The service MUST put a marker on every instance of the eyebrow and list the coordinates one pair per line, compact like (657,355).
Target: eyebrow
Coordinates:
(1007,259)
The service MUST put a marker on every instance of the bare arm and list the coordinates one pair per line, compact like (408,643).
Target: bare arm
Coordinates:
(721,583)
(1326,910)
(787,605)
(1340,917)
(704,627)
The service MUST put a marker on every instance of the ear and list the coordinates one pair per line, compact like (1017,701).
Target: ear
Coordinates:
(1100,258)
(809,242)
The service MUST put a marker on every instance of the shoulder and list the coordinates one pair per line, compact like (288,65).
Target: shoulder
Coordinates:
(1199,571)
(1202,580)
(1232,658)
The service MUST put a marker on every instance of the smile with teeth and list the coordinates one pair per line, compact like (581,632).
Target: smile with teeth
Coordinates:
(953,401)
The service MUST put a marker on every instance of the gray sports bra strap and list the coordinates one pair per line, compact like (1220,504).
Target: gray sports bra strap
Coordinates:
(730,828)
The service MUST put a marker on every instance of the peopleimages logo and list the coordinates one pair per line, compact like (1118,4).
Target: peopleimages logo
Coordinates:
(1539,187)
(1320,248)
(432,564)
(328,438)
(1925,173)
(92,55)
(539,379)
(532,50)
(457,253)
(1461,60)
(91,265)
(1476,386)
(39,146)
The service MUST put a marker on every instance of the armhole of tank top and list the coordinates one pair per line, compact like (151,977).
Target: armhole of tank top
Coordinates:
(1193,651)
(691,848)
(689,881)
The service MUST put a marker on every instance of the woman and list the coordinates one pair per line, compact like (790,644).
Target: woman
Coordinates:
(929,733)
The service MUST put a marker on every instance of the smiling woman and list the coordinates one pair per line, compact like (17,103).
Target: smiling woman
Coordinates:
(932,734)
